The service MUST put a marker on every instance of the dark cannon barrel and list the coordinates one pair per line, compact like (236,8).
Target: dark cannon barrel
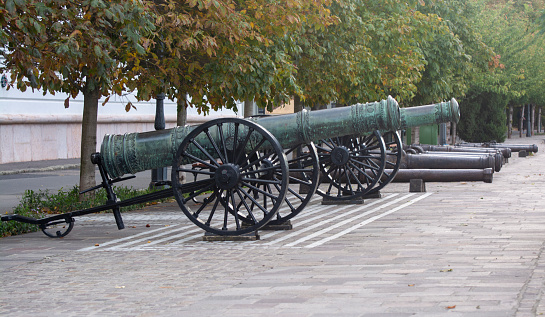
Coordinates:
(432,161)
(514,147)
(445,175)
(506,152)
(498,157)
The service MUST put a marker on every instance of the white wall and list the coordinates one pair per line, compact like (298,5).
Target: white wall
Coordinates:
(36,127)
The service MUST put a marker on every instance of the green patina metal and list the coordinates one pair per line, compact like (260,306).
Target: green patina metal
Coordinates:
(436,113)
(136,152)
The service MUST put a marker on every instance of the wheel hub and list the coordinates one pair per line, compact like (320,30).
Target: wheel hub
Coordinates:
(340,155)
(227,176)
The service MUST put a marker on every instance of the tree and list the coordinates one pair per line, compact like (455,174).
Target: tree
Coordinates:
(73,46)
(517,71)
(219,52)
(454,54)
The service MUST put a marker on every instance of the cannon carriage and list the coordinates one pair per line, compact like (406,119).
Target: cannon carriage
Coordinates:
(242,169)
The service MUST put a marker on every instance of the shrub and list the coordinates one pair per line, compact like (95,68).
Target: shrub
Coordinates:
(43,203)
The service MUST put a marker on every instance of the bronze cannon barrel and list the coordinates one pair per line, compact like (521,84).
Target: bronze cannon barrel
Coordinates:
(442,112)
(135,152)
(433,161)
(444,175)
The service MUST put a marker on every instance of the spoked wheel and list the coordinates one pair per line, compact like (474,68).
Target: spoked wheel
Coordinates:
(351,165)
(303,179)
(245,180)
(394,150)
(58,228)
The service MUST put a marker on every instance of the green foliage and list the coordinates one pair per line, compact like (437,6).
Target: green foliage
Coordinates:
(518,69)
(44,203)
(482,117)
(222,51)
(69,46)
(454,54)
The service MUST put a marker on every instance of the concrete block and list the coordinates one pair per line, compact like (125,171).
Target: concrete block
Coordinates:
(417,186)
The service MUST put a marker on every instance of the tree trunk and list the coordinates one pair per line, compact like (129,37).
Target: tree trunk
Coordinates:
(510,123)
(453,133)
(88,140)
(181,116)
(528,119)
(521,127)
(539,120)
(297,104)
(248,108)
(533,118)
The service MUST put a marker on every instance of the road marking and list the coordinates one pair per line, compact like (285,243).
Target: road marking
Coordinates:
(298,232)
(126,238)
(313,217)
(363,223)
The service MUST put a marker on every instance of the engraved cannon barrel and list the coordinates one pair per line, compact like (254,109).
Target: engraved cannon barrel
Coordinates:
(135,152)
(445,175)
(442,112)
(432,161)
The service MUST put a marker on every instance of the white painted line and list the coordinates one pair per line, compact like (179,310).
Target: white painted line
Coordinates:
(344,222)
(149,238)
(363,223)
(298,232)
(126,238)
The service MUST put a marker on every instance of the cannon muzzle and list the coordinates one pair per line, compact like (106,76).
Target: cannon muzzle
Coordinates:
(442,112)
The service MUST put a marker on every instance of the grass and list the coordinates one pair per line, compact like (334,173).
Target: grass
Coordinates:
(44,203)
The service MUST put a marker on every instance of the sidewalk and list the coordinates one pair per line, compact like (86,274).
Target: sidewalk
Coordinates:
(460,249)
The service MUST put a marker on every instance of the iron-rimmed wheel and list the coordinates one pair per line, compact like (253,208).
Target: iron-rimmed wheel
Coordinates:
(394,150)
(58,228)
(304,179)
(233,176)
(351,165)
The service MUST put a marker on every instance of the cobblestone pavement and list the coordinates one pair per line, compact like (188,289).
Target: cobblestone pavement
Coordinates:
(460,249)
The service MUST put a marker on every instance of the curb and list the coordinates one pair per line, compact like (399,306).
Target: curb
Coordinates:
(41,169)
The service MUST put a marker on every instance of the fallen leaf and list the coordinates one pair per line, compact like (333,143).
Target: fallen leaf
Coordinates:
(96,244)
(120,287)
(448,270)
(147,226)
(451,307)
(410,285)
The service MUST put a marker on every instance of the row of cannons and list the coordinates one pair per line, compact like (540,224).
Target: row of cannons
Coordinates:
(233,176)
(463,162)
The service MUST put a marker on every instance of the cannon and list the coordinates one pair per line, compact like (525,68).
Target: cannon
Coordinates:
(514,147)
(240,169)
(437,161)
(445,175)
(506,152)
(497,157)
(231,176)
(346,181)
